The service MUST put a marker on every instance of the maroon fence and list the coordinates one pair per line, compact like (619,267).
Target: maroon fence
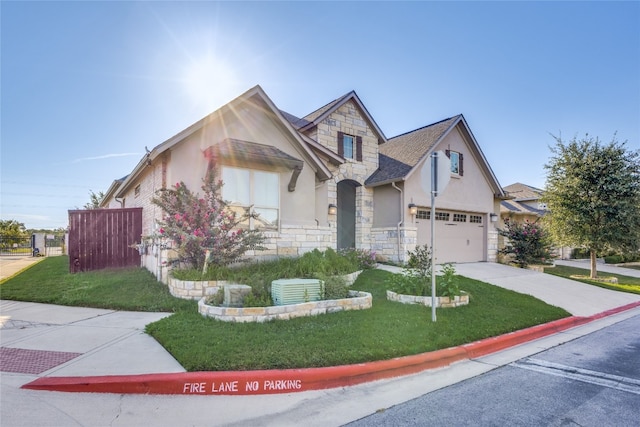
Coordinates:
(102,238)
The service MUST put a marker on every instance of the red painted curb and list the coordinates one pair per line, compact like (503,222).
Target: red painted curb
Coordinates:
(295,380)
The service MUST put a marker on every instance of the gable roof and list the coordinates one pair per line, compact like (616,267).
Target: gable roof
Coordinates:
(401,155)
(313,119)
(523,192)
(517,208)
(254,96)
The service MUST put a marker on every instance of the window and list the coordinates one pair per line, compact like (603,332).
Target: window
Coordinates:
(456,162)
(349,146)
(256,191)
(459,217)
(423,214)
(475,219)
(136,191)
(442,216)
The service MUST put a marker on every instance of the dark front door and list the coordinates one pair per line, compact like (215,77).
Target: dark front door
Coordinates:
(346,214)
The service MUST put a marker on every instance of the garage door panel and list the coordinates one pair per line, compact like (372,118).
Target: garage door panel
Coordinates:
(455,241)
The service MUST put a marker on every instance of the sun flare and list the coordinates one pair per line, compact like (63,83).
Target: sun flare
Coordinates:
(210,82)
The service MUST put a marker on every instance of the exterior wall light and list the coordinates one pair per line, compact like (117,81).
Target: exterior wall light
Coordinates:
(333,209)
(493,217)
(413,209)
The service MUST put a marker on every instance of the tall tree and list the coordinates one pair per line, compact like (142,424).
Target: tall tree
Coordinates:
(12,229)
(94,200)
(593,195)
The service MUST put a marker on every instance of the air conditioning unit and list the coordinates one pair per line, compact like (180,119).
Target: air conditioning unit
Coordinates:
(295,291)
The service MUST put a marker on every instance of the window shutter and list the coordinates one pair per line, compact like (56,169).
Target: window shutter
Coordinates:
(461,171)
(448,153)
(359,148)
(340,144)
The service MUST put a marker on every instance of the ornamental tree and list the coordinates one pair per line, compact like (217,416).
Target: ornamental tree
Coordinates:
(593,196)
(527,242)
(204,225)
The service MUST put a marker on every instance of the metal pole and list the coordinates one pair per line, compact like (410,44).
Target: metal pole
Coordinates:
(434,165)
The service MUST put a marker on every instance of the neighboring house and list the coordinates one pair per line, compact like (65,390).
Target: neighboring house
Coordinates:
(524,204)
(331,179)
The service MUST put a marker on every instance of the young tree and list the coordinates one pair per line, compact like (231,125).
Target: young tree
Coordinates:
(201,225)
(593,195)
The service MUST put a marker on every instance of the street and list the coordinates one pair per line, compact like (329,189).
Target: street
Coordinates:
(591,381)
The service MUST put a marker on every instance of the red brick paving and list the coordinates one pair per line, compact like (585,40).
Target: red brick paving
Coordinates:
(25,361)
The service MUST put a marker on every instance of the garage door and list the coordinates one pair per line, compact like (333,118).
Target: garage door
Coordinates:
(460,236)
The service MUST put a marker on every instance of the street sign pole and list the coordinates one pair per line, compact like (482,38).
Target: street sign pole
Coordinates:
(434,177)
(434,187)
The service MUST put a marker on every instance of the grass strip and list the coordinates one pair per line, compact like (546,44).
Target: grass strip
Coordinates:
(625,283)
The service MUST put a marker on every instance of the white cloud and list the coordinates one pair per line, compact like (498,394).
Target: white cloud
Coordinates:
(105,156)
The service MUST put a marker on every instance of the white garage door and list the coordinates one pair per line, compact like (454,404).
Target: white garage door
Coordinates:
(460,236)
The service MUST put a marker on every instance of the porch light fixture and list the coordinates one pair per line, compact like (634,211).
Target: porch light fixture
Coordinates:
(493,217)
(333,209)
(413,209)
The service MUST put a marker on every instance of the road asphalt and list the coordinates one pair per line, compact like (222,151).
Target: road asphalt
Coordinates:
(45,342)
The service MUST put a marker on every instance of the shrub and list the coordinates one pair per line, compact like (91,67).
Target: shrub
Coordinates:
(447,283)
(527,243)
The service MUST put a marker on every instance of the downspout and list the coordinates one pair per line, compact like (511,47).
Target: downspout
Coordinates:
(393,184)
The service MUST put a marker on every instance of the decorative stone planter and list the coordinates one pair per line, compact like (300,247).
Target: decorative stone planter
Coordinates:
(444,302)
(357,301)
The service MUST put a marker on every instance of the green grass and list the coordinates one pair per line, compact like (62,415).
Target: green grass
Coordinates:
(131,289)
(625,283)
(387,330)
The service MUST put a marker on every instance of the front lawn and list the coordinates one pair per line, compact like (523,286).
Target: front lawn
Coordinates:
(625,283)
(387,330)
(129,289)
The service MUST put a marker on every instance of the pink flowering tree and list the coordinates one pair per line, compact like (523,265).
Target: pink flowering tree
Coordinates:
(204,225)
(527,242)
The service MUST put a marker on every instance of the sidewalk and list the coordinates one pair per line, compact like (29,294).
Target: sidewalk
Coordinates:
(12,265)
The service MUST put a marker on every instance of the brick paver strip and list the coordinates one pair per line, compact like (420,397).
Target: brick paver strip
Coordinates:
(25,361)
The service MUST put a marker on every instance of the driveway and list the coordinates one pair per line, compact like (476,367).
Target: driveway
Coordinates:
(577,298)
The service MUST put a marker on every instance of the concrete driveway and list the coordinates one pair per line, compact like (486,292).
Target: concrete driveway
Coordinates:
(577,298)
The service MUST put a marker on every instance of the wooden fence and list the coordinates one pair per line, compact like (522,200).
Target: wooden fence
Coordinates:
(102,238)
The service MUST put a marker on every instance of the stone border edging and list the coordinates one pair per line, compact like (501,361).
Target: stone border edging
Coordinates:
(296,380)
(357,300)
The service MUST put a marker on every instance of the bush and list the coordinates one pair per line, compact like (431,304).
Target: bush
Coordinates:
(613,259)
(527,242)
(410,282)
(448,284)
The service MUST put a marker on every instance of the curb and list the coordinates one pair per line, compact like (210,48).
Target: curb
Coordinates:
(297,380)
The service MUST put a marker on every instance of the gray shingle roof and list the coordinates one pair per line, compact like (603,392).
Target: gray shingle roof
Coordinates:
(295,121)
(402,153)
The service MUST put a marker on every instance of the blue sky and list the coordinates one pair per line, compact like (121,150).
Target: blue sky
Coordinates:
(87,85)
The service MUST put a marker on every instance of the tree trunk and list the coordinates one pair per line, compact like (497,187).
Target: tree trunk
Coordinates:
(594,271)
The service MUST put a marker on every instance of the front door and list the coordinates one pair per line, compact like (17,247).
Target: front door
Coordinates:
(346,215)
